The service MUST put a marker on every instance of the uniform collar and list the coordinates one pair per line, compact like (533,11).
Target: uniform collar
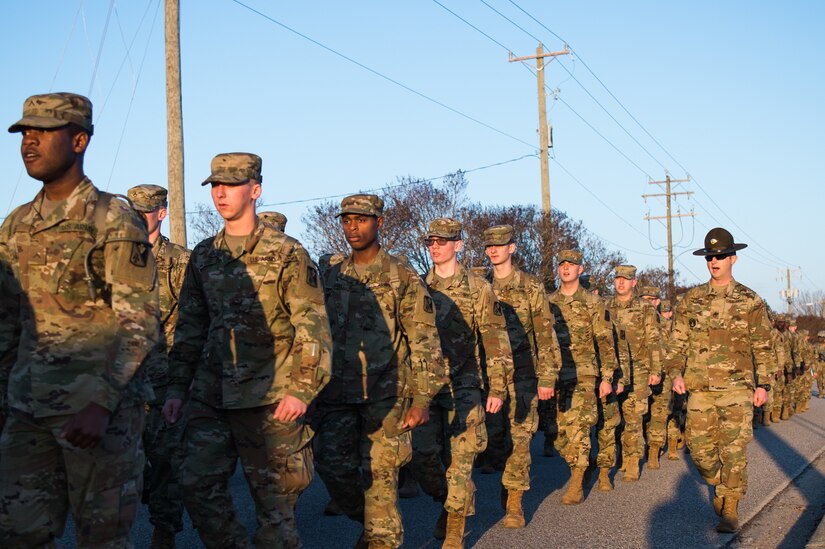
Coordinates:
(74,208)
(455,280)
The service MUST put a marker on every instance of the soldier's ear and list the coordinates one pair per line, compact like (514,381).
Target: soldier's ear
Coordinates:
(379,221)
(733,260)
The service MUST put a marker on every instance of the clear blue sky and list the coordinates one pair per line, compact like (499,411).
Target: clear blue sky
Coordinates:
(732,90)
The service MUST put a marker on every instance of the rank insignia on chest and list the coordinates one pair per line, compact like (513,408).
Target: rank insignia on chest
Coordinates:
(692,322)
(622,334)
(140,254)
(312,276)
(606,315)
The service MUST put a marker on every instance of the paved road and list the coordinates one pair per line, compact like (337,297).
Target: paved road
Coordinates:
(665,508)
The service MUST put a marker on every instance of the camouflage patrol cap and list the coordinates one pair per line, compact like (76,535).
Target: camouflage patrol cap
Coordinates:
(274,218)
(444,227)
(820,334)
(498,235)
(55,110)
(666,306)
(625,271)
(570,256)
(791,321)
(147,198)
(235,169)
(362,204)
(651,291)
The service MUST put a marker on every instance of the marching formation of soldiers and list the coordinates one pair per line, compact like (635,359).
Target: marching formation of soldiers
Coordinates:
(114,342)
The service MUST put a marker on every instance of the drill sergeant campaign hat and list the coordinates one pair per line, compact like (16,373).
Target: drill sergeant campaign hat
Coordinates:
(444,227)
(719,241)
(235,169)
(362,204)
(625,271)
(147,198)
(55,110)
(570,256)
(276,219)
(498,235)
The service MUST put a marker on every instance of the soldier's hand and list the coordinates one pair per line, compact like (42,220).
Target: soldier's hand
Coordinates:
(654,379)
(415,417)
(546,393)
(605,389)
(494,405)
(760,397)
(619,388)
(87,427)
(290,409)
(171,410)
(679,385)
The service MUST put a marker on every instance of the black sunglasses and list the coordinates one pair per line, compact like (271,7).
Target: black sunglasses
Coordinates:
(718,257)
(432,240)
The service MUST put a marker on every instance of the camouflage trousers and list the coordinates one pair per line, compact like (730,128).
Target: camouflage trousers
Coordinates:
(803,392)
(42,477)
(521,408)
(548,418)
(777,393)
(660,411)
(577,414)
(609,419)
(789,393)
(277,463)
(445,447)
(163,444)
(359,451)
(634,408)
(820,379)
(719,428)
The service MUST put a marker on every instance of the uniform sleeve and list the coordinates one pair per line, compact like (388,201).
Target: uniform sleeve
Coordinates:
(130,270)
(760,336)
(654,342)
(492,329)
(603,332)
(547,344)
(10,295)
(190,331)
(677,347)
(311,354)
(417,318)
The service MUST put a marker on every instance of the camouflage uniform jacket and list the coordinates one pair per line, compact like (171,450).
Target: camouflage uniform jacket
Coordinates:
(585,334)
(719,337)
(251,329)
(536,352)
(74,349)
(171,260)
(385,343)
(638,328)
(782,352)
(819,353)
(468,316)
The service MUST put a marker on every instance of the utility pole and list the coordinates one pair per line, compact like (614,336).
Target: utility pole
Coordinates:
(789,293)
(667,194)
(544,138)
(174,124)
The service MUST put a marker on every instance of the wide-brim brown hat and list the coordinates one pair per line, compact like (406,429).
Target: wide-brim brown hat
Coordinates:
(719,241)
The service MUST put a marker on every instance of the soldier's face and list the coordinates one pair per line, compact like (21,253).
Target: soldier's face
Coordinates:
(568,272)
(361,231)
(235,201)
(48,154)
(500,254)
(443,253)
(623,286)
(667,314)
(720,269)
(653,300)
(154,218)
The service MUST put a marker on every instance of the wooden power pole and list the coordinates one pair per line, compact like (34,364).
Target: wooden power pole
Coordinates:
(174,124)
(790,293)
(669,216)
(544,138)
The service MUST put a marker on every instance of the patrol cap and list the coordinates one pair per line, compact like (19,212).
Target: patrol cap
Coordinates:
(820,333)
(791,321)
(570,256)
(719,241)
(362,204)
(274,218)
(147,198)
(55,110)
(235,169)
(625,271)
(666,306)
(651,291)
(498,235)
(444,227)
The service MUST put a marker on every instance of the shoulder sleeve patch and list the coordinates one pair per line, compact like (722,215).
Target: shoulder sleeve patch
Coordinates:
(140,254)
(497,308)
(428,304)
(312,276)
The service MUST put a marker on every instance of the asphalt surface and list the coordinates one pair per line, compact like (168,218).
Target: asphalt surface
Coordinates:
(669,507)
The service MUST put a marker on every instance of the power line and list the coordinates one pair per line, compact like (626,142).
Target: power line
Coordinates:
(490,38)
(383,76)
(100,48)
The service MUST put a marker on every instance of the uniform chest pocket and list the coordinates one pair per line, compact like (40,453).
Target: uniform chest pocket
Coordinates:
(67,257)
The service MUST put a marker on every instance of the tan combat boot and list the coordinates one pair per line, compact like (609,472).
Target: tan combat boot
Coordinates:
(379,545)
(515,514)
(455,532)
(718,502)
(440,528)
(785,414)
(604,480)
(730,517)
(653,457)
(162,539)
(673,448)
(766,418)
(631,473)
(575,490)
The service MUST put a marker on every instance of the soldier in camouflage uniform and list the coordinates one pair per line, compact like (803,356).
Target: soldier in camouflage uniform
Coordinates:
(85,315)
(780,340)
(819,361)
(536,361)
(678,403)
(468,317)
(803,396)
(638,336)
(387,367)
(721,336)
(585,334)
(253,342)
(161,440)
(276,219)
(660,403)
